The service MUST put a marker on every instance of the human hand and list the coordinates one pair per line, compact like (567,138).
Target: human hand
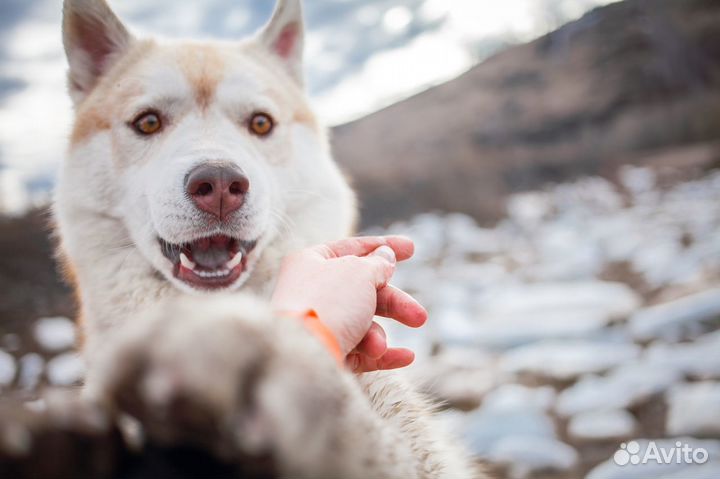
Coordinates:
(345,282)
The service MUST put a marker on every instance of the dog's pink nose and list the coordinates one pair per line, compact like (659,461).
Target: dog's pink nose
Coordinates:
(217,189)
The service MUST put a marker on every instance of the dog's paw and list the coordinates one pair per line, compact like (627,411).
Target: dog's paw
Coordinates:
(223,374)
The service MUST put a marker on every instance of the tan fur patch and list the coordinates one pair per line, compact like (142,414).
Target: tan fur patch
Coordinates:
(204,68)
(306,116)
(87,124)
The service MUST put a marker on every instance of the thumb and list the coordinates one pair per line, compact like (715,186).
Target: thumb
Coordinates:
(383,264)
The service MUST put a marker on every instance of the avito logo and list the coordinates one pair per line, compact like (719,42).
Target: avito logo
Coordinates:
(629,453)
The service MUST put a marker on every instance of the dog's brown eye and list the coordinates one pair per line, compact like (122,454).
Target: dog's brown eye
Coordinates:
(147,123)
(261,124)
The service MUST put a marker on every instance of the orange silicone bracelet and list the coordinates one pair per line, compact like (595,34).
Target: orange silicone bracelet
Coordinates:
(313,323)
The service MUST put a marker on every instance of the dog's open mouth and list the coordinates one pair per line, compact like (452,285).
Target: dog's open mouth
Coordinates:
(208,263)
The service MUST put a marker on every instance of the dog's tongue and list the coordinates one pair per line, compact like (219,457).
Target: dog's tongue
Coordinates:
(211,253)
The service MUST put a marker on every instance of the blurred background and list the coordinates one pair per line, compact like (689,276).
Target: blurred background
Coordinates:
(556,161)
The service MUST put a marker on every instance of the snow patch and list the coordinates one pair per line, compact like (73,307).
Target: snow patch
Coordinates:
(681,319)
(516,397)
(55,334)
(623,387)
(527,455)
(7,368)
(566,360)
(32,366)
(694,409)
(602,425)
(65,370)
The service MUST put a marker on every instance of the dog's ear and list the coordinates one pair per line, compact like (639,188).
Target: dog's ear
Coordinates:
(94,39)
(284,36)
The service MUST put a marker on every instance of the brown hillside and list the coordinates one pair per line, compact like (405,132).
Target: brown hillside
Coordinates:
(624,80)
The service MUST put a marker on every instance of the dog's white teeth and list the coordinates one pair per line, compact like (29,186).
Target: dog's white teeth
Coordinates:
(237,259)
(185,261)
(213,274)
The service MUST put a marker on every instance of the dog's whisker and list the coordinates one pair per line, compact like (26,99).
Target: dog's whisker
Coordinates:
(121,247)
(125,258)
(285,224)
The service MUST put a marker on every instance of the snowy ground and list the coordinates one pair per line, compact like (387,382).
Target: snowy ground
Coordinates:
(589,318)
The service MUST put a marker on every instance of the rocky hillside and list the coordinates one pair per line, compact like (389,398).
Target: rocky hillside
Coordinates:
(617,86)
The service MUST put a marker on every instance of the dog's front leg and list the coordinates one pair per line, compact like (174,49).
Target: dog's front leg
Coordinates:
(223,373)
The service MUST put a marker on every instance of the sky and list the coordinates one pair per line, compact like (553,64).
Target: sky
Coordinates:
(361,55)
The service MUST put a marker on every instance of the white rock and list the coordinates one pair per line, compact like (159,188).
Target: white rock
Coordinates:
(623,387)
(454,325)
(55,334)
(483,428)
(513,314)
(510,330)
(637,180)
(7,368)
(461,358)
(467,238)
(462,388)
(31,369)
(530,208)
(652,469)
(694,409)
(610,299)
(680,319)
(565,254)
(567,359)
(473,277)
(619,237)
(658,260)
(595,195)
(65,369)
(602,425)
(516,397)
(418,340)
(527,455)
(428,233)
(699,359)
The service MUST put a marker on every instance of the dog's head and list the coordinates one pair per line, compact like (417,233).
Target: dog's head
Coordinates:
(205,152)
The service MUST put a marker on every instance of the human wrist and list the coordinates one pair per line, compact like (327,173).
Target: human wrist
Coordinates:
(321,331)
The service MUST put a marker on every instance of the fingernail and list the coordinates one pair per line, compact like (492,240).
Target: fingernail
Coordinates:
(386,252)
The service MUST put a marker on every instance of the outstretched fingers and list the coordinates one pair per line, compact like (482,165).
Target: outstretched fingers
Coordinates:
(364,245)
(396,304)
(394,358)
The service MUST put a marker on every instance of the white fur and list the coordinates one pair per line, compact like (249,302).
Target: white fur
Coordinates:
(118,193)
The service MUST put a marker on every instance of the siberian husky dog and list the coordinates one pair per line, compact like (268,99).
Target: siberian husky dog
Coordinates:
(193,168)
